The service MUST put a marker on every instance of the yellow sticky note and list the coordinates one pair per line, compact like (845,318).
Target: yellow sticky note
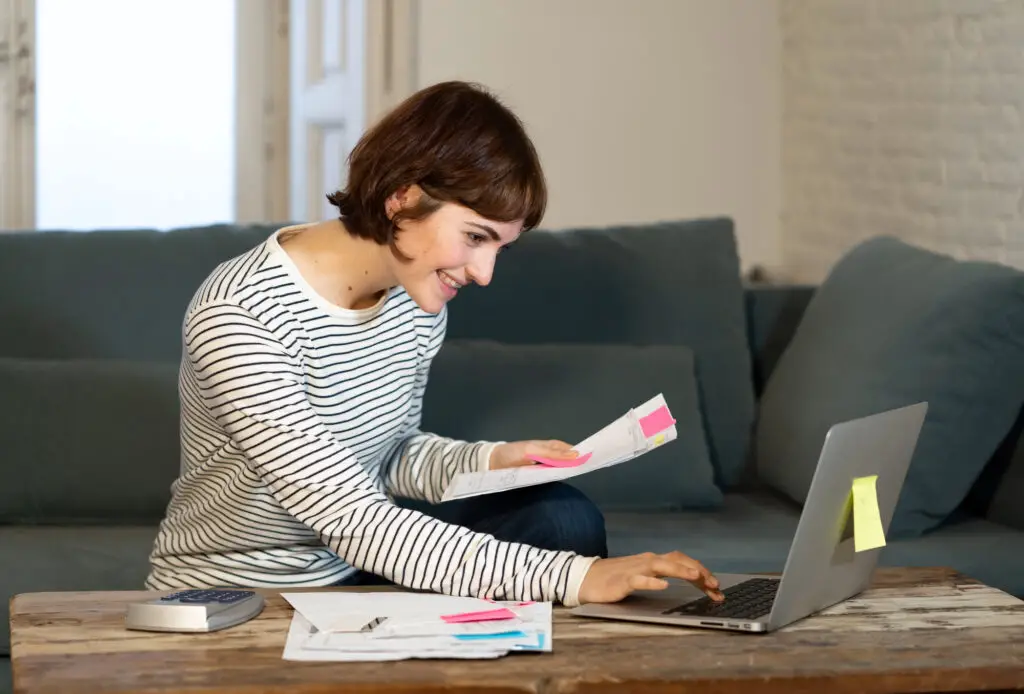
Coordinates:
(659,439)
(867,521)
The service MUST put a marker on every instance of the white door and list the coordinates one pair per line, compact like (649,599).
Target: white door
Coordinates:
(350,61)
(327,102)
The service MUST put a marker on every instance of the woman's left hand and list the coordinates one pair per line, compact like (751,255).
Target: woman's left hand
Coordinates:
(506,455)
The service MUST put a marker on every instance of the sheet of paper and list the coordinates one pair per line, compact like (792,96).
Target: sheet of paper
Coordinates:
(621,440)
(301,629)
(339,611)
(414,634)
(867,520)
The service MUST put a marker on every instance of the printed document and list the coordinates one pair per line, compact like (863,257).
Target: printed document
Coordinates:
(638,431)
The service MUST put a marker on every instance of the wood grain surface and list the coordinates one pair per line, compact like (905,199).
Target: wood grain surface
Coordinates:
(915,630)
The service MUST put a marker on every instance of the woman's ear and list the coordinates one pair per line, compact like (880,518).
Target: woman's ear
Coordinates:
(406,197)
(396,202)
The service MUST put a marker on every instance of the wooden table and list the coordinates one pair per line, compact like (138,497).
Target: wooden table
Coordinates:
(915,630)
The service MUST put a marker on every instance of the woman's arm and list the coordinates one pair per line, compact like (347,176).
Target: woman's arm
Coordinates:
(254,388)
(423,464)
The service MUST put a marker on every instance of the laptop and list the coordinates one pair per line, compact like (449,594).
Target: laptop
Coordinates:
(822,568)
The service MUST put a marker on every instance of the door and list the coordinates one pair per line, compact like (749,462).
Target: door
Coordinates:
(327,99)
(351,60)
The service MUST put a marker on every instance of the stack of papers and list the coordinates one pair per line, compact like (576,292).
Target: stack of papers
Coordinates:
(639,430)
(350,626)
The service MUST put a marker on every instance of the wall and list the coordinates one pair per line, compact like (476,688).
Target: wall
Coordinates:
(902,118)
(641,110)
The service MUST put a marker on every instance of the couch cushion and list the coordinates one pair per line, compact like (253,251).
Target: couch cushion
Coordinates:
(893,325)
(752,532)
(1007,505)
(87,440)
(674,283)
(68,558)
(482,390)
(107,293)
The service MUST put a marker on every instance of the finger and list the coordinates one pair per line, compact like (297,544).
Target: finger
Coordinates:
(557,445)
(641,582)
(708,578)
(522,462)
(554,449)
(665,566)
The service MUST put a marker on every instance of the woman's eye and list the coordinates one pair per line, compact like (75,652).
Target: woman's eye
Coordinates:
(476,238)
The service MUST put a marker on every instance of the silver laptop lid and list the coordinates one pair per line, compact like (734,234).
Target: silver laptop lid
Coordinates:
(823,567)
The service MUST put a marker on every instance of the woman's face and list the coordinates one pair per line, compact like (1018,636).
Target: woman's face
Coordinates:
(449,249)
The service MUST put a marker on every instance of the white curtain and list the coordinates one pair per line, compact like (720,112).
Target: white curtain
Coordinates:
(17,114)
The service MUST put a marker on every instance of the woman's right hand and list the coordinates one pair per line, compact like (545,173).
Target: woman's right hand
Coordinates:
(611,580)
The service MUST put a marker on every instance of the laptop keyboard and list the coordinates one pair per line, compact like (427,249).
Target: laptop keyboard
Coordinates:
(750,599)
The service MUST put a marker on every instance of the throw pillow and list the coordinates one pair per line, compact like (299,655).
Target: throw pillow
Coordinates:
(673,283)
(486,391)
(87,440)
(891,325)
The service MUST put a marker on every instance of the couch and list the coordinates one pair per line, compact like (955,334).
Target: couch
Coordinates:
(577,327)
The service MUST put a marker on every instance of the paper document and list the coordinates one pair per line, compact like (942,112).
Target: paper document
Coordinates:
(344,626)
(641,429)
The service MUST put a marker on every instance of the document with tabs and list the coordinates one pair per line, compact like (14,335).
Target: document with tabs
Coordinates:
(636,432)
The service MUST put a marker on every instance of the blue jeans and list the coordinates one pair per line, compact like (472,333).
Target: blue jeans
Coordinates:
(550,516)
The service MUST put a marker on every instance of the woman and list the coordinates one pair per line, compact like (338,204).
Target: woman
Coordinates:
(304,366)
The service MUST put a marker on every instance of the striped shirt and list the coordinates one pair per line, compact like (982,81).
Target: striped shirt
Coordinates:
(299,427)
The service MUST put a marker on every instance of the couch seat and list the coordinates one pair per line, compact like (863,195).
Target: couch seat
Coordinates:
(61,558)
(752,532)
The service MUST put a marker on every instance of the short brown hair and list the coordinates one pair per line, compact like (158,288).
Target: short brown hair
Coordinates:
(459,144)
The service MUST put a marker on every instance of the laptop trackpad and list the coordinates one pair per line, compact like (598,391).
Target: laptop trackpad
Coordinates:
(680,592)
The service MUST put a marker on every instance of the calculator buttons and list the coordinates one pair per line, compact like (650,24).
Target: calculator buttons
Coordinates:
(208,596)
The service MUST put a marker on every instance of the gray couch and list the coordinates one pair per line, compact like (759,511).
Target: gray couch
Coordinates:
(577,327)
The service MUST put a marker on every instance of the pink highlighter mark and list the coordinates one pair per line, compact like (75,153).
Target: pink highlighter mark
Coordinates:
(554,462)
(483,616)
(656,421)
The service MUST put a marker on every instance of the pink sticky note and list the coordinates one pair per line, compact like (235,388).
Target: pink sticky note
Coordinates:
(483,616)
(656,421)
(554,462)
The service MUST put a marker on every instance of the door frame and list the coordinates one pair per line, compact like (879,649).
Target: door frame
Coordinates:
(261,111)
(17,115)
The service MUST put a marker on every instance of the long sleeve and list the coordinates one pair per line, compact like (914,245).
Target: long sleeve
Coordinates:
(253,387)
(422,464)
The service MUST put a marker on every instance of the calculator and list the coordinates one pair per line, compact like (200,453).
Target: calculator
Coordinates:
(195,610)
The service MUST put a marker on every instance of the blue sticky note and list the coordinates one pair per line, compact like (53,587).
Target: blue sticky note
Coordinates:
(538,647)
(498,635)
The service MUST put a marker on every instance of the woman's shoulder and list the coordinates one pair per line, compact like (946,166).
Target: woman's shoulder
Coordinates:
(232,280)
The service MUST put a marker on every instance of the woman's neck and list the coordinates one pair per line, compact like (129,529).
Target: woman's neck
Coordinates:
(348,271)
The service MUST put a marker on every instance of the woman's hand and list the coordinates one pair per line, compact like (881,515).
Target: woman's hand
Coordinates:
(506,455)
(611,580)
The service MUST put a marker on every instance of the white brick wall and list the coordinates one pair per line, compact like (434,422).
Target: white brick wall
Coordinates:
(902,117)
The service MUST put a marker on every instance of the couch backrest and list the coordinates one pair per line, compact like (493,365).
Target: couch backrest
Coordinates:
(91,335)
(107,294)
(92,324)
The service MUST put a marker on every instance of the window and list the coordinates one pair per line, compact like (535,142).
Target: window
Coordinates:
(135,113)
